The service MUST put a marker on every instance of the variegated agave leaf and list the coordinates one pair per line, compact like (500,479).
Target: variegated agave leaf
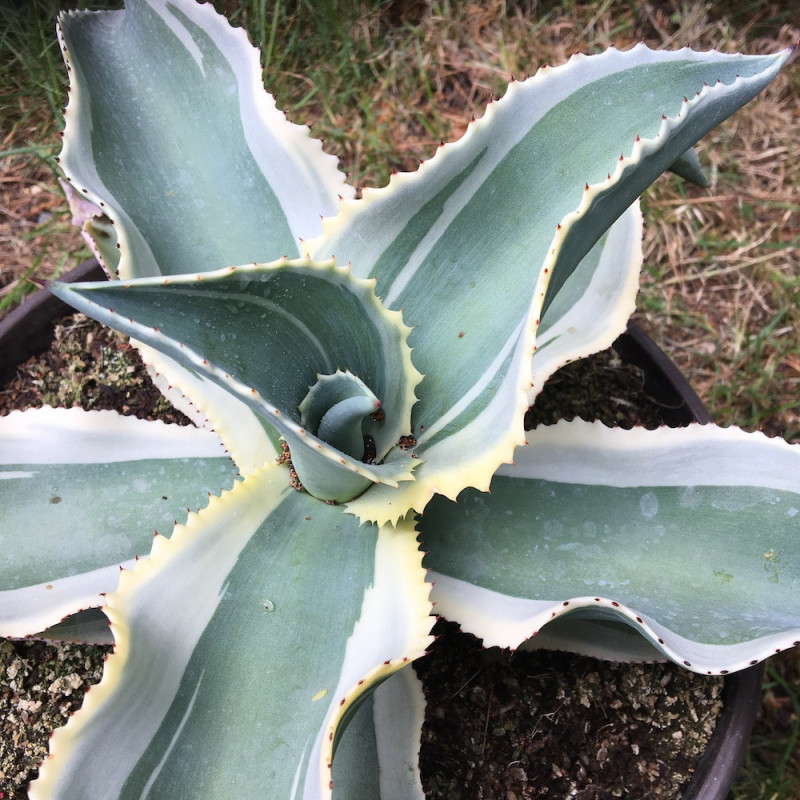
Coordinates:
(690,537)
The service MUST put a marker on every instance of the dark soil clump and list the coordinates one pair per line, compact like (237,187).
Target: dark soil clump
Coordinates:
(518,726)
(599,387)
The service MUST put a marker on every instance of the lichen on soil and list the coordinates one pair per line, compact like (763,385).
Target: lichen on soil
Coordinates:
(41,685)
(499,725)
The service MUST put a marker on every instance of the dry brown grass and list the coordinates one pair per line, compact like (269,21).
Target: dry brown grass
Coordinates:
(37,240)
(724,281)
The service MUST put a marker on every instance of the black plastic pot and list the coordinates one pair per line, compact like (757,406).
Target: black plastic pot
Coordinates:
(663,381)
(28,331)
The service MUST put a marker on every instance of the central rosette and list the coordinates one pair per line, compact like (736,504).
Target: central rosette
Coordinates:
(335,410)
(307,346)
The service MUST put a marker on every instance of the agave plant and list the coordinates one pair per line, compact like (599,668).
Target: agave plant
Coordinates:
(353,413)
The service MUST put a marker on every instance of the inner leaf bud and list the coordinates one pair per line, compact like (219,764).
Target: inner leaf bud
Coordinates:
(334,410)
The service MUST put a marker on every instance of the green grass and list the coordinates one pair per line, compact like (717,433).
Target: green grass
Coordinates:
(721,289)
(32,78)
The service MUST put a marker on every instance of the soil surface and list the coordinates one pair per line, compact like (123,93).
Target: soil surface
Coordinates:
(514,726)
(500,725)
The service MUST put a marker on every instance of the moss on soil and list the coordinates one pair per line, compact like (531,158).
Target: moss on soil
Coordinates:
(90,366)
